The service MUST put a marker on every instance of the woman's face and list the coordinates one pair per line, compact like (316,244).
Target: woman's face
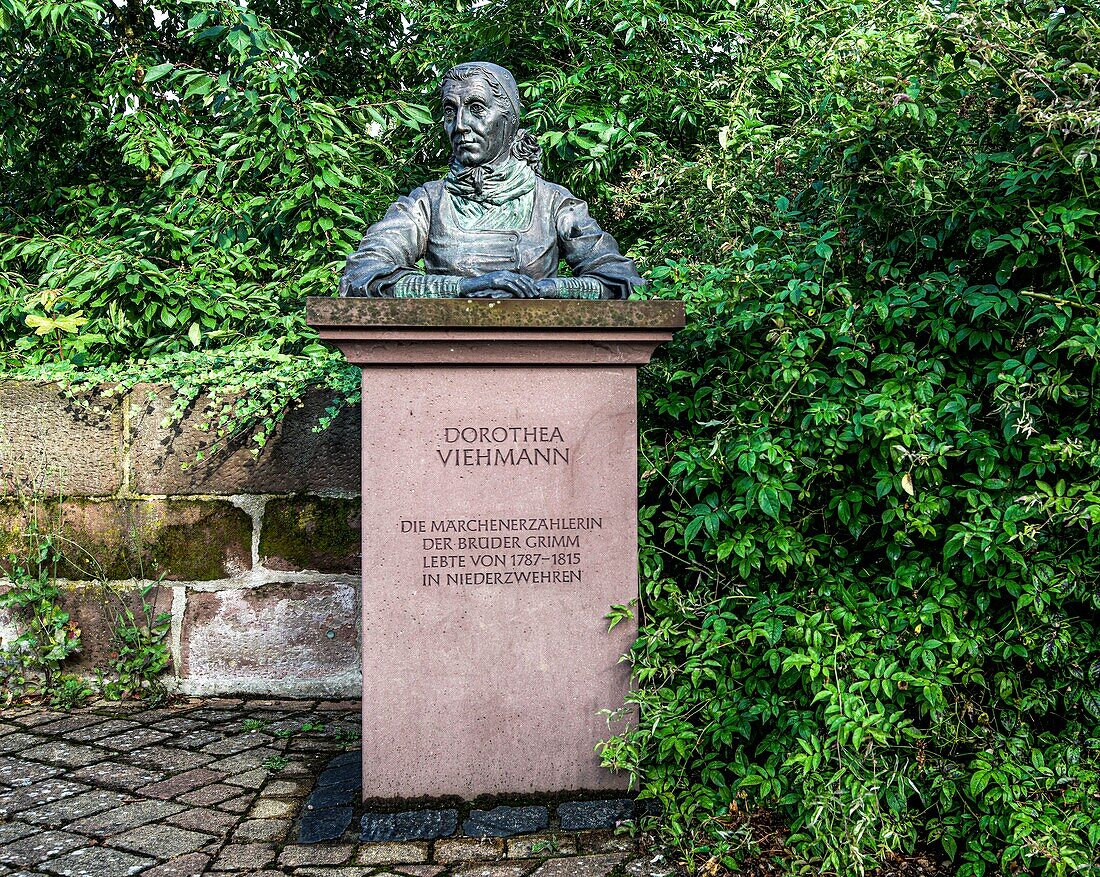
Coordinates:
(474,120)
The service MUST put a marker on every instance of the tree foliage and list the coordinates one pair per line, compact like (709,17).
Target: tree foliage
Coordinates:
(871,482)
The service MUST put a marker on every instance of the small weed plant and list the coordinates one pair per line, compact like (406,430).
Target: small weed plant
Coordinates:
(276,763)
(32,662)
(142,649)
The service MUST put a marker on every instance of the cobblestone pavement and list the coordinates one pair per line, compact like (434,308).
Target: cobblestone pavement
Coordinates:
(216,787)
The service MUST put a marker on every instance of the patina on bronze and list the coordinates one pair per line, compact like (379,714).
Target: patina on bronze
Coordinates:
(493,227)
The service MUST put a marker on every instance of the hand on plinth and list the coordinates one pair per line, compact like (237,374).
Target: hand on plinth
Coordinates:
(500,284)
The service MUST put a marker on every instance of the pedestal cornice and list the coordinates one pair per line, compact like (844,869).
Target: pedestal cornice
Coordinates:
(375,331)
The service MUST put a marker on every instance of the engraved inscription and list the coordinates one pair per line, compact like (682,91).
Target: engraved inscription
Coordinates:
(530,555)
(503,446)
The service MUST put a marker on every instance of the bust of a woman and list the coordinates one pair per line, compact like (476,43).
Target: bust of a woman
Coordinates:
(493,227)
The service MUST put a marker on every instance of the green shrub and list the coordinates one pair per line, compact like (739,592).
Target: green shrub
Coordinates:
(871,488)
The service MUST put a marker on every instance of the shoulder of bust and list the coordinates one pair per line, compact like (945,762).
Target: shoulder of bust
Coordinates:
(430,189)
(554,191)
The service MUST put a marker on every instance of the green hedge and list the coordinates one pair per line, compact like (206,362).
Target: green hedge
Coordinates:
(871,496)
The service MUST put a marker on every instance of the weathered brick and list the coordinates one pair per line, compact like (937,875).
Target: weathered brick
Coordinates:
(295,856)
(469,849)
(183,540)
(393,853)
(264,639)
(295,458)
(543,844)
(51,445)
(314,533)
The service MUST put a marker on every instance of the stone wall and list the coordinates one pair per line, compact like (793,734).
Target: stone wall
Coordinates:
(256,558)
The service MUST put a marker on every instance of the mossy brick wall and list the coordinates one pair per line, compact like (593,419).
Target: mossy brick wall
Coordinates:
(256,558)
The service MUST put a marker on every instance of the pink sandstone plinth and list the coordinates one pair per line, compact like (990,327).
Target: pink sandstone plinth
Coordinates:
(499,527)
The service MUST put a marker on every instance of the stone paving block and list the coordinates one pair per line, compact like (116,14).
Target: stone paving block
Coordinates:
(420,870)
(510,869)
(582,815)
(135,739)
(341,871)
(317,744)
(114,775)
(393,853)
(580,866)
(505,821)
(286,789)
(323,825)
(13,743)
(54,445)
(32,717)
(44,792)
(278,634)
(243,857)
(295,856)
(295,459)
(311,533)
(89,731)
(66,754)
(215,715)
(295,769)
(236,805)
(262,830)
(232,745)
(408,825)
(245,761)
(193,865)
(17,773)
(39,847)
(180,784)
(60,814)
(544,844)
(606,841)
(162,714)
(194,740)
(469,849)
(208,795)
(178,725)
(12,831)
(161,841)
(351,707)
(98,862)
(203,819)
(250,779)
(273,808)
(169,758)
(124,818)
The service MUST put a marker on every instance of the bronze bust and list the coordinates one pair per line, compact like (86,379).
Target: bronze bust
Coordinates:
(493,227)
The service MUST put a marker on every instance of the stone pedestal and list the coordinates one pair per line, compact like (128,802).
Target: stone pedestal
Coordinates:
(499,527)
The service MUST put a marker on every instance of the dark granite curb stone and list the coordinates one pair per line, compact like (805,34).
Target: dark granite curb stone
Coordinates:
(408,825)
(582,815)
(506,821)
